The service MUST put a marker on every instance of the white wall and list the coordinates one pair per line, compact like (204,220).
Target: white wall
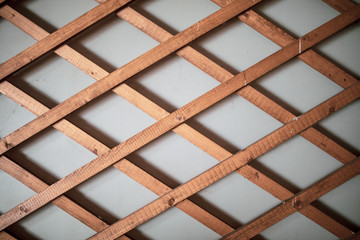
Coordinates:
(233,123)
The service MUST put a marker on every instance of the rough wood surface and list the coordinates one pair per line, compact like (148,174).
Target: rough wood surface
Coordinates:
(59,36)
(298,201)
(97,89)
(123,73)
(157,112)
(231,164)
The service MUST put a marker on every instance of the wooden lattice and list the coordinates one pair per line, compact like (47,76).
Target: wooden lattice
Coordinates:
(176,121)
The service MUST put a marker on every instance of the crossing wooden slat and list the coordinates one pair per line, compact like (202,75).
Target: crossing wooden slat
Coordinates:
(123,73)
(4,235)
(62,202)
(248,92)
(124,165)
(231,164)
(282,38)
(177,118)
(298,201)
(341,5)
(59,36)
(157,112)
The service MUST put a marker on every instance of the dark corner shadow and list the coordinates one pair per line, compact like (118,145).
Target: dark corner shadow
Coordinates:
(336,139)
(197,45)
(152,170)
(76,119)
(275,98)
(19,232)
(336,216)
(73,194)
(18,5)
(208,133)
(336,37)
(93,32)
(274,176)
(138,6)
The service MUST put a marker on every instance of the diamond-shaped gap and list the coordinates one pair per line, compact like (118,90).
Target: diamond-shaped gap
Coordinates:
(234,123)
(171,225)
(173,82)
(172,159)
(235,199)
(176,14)
(235,46)
(298,17)
(54,14)
(297,226)
(62,225)
(297,163)
(12,192)
(51,80)
(111,119)
(296,86)
(12,116)
(343,49)
(51,155)
(344,202)
(12,40)
(343,126)
(112,195)
(112,43)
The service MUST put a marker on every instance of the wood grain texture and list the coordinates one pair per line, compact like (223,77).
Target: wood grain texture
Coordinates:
(157,112)
(176,118)
(231,164)
(282,38)
(298,201)
(341,5)
(99,148)
(62,202)
(4,235)
(123,73)
(59,36)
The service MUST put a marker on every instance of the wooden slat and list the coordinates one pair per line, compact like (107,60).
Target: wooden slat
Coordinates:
(282,38)
(231,164)
(123,73)
(248,92)
(157,112)
(298,201)
(341,5)
(178,117)
(4,235)
(125,166)
(59,36)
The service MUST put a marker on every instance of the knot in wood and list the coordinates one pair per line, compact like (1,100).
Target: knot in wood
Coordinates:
(180,118)
(297,203)
(171,202)
(23,209)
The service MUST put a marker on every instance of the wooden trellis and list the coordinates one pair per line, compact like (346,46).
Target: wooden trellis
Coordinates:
(176,121)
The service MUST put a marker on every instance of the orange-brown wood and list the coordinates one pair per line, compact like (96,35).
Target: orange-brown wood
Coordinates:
(123,73)
(231,164)
(184,130)
(179,116)
(298,201)
(59,36)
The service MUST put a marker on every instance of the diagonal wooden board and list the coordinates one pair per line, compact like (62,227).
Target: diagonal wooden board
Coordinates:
(130,169)
(298,201)
(231,164)
(334,22)
(60,36)
(123,73)
(119,75)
